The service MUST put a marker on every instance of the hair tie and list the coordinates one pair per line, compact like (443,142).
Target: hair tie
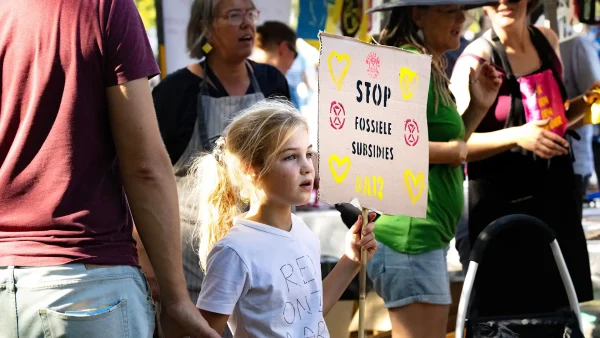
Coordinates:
(219,150)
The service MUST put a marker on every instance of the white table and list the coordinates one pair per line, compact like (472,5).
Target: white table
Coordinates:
(330,229)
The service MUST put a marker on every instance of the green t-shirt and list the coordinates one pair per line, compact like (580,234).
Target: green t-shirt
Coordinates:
(445,197)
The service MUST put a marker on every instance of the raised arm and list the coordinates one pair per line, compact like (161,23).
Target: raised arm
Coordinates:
(484,145)
(531,136)
(348,266)
(152,195)
(475,84)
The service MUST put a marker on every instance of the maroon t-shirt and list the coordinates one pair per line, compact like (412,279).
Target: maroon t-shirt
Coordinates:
(61,198)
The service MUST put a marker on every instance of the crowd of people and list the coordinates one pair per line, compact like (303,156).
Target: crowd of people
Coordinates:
(131,211)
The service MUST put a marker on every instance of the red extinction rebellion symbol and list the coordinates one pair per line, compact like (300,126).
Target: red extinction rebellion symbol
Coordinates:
(411,132)
(373,64)
(337,115)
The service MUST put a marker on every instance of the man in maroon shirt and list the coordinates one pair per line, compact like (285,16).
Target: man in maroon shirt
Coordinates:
(81,159)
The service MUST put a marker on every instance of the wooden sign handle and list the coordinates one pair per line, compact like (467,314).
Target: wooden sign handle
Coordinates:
(362,286)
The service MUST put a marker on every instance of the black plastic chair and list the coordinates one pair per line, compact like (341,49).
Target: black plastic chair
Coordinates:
(548,325)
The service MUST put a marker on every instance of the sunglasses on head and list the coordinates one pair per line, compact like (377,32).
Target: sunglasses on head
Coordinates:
(293,49)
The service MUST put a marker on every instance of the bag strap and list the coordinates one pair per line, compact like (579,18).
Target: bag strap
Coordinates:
(500,52)
(513,119)
(548,57)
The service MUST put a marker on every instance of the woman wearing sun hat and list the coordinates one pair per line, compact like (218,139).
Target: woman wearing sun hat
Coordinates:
(409,271)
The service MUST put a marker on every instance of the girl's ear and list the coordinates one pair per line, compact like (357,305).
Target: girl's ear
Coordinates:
(251,173)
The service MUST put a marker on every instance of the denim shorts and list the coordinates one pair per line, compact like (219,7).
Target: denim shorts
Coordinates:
(75,300)
(402,279)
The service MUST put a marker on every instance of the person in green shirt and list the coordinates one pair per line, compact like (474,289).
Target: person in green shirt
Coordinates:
(409,270)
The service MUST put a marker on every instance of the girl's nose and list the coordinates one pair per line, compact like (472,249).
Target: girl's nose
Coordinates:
(307,166)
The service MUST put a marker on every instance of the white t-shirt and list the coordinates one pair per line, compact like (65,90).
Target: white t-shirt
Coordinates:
(268,280)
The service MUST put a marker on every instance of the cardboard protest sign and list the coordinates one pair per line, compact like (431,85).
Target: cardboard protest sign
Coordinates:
(373,140)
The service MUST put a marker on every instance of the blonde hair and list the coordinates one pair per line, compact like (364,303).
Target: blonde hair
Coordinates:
(221,183)
(402,31)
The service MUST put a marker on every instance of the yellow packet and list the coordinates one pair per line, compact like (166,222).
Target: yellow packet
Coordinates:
(593,116)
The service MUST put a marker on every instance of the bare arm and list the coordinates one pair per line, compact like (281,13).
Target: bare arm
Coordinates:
(578,107)
(146,265)
(349,265)
(460,89)
(337,281)
(217,321)
(149,181)
(532,136)
(485,145)
(480,145)
(574,124)
(453,153)
(152,195)
(472,117)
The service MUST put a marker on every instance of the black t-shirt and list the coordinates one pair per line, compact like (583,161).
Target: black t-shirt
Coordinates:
(175,100)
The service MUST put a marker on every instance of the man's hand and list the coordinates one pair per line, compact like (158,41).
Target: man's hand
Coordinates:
(181,319)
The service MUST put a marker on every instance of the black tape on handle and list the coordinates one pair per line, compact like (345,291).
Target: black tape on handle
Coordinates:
(505,223)
(587,12)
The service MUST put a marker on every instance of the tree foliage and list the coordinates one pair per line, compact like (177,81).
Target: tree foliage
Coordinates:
(147,11)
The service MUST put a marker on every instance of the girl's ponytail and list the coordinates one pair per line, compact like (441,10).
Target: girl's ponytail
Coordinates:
(217,200)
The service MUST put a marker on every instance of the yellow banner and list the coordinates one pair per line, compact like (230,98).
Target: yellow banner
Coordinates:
(347,18)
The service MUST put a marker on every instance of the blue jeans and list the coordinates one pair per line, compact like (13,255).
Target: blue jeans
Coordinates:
(75,300)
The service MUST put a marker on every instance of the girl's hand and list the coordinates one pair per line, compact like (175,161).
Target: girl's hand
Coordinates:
(354,242)
(484,84)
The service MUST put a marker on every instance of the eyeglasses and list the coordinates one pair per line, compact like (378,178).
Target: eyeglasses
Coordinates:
(237,16)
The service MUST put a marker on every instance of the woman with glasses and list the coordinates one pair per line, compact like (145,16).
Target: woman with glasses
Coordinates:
(196,103)
(519,165)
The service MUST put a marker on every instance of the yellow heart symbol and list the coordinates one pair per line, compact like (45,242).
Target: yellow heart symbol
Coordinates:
(418,183)
(339,57)
(337,176)
(409,82)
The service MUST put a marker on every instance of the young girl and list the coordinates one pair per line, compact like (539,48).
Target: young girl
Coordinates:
(263,274)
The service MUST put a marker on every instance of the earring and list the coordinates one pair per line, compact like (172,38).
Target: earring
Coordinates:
(421,35)
(207,48)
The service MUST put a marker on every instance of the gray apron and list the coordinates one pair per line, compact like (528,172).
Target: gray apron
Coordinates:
(213,116)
